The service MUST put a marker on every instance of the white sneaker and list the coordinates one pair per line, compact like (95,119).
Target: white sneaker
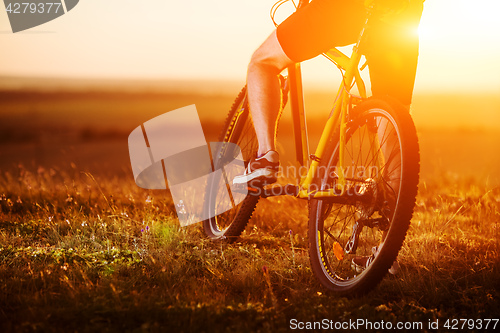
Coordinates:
(260,171)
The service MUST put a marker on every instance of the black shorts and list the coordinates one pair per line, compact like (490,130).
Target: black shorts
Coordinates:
(319,26)
(392,50)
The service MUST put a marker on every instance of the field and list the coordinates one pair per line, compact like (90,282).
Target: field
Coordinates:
(83,249)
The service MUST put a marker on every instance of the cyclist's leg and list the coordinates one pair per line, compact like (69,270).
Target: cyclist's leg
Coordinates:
(307,33)
(264,95)
(392,54)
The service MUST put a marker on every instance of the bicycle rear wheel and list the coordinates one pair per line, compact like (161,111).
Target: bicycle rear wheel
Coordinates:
(381,161)
(238,129)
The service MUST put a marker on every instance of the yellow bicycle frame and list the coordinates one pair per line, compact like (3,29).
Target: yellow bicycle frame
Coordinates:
(338,118)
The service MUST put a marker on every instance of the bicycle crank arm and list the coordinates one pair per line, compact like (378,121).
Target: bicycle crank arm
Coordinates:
(278,190)
(347,197)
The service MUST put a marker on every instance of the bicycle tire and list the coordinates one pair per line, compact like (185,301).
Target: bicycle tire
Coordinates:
(391,204)
(238,128)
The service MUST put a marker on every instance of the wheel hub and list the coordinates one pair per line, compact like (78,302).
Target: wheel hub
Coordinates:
(368,189)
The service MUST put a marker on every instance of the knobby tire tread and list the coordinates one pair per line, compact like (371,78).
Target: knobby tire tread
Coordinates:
(397,233)
(248,205)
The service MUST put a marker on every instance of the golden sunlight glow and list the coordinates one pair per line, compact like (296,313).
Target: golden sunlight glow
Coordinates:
(459,42)
(454,21)
(459,46)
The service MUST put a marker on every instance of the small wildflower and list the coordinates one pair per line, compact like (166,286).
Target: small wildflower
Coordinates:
(148,199)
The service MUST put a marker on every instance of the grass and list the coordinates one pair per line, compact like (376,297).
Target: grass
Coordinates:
(79,253)
(83,249)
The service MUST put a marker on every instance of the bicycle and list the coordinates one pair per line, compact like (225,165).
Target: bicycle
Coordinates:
(361,182)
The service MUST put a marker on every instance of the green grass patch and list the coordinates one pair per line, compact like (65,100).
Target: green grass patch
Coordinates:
(84,254)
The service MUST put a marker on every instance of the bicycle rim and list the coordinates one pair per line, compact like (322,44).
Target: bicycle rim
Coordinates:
(381,159)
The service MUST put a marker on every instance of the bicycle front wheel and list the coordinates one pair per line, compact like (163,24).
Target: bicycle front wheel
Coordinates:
(353,244)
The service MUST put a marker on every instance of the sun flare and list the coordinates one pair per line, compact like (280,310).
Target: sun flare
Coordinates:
(466,21)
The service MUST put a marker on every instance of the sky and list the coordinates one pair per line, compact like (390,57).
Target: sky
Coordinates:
(199,39)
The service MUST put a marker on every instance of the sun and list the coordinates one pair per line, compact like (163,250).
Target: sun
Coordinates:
(459,45)
(460,21)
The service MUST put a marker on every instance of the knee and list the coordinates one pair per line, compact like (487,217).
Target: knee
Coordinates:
(270,57)
(263,60)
